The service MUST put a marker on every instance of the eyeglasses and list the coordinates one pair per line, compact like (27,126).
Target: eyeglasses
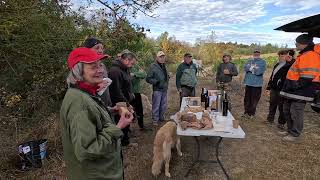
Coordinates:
(97,66)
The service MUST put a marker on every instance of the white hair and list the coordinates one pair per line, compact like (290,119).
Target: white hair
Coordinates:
(75,74)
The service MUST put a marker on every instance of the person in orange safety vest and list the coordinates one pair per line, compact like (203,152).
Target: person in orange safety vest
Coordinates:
(299,88)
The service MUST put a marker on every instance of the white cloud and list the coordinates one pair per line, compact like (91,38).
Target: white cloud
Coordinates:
(204,12)
(188,19)
(233,21)
(282,20)
(300,5)
(280,38)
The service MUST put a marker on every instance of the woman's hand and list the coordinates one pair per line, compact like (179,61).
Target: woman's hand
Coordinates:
(125,120)
(114,109)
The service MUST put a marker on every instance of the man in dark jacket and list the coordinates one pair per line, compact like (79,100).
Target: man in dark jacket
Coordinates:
(159,78)
(300,85)
(121,86)
(225,71)
(275,84)
(186,79)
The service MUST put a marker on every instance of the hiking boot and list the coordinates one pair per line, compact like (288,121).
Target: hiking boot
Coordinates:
(283,133)
(155,123)
(268,122)
(281,126)
(245,116)
(290,138)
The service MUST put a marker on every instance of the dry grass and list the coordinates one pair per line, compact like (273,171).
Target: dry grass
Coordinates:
(261,155)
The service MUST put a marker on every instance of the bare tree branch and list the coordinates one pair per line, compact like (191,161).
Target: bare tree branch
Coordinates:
(120,11)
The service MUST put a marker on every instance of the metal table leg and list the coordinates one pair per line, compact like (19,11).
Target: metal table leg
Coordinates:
(217,156)
(198,160)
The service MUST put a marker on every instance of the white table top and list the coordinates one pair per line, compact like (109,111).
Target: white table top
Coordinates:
(222,126)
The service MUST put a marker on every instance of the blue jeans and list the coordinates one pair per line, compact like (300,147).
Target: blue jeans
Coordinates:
(159,105)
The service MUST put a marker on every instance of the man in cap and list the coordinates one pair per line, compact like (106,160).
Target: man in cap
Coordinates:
(225,71)
(274,86)
(253,80)
(121,86)
(96,45)
(158,76)
(300,85)
(186,77)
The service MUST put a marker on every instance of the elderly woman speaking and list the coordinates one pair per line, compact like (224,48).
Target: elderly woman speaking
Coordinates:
(91,140)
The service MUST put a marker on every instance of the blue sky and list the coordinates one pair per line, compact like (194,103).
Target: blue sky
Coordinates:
(242,21)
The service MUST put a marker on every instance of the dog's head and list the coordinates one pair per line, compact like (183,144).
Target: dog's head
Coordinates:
(178,116)
(205,113)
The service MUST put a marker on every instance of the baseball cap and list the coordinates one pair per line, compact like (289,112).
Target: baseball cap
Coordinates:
(160,53)
(187,55)
(256,51)
(84,55)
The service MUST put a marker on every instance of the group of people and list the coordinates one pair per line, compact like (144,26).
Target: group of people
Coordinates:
(94,129)
(292,84)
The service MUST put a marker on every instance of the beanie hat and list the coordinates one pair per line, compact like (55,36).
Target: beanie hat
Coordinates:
(90,42)
(304,39)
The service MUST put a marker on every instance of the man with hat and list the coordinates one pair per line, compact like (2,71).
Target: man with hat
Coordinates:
(186,77)
(225,71)
(253,80)
(158,77)
(121,86)
(300,85)
(91,140)
(96,45)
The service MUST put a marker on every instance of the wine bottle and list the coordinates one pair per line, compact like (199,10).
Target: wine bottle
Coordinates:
(225,104)
(202,95)
(207,100)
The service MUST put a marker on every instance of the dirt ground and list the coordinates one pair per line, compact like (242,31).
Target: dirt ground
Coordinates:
(261,155)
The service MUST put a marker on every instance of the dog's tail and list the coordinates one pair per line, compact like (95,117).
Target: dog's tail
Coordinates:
(157,160)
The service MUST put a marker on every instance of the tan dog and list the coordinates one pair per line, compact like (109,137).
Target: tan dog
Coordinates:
(147,107)
(165,139)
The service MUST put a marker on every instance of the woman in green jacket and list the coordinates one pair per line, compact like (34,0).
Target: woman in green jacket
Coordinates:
(90,138)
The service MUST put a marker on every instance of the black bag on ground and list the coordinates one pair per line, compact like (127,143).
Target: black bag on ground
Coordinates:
(32,153)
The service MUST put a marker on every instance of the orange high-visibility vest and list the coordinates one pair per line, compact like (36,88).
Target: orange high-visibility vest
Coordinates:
(317,48)
(307,65)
